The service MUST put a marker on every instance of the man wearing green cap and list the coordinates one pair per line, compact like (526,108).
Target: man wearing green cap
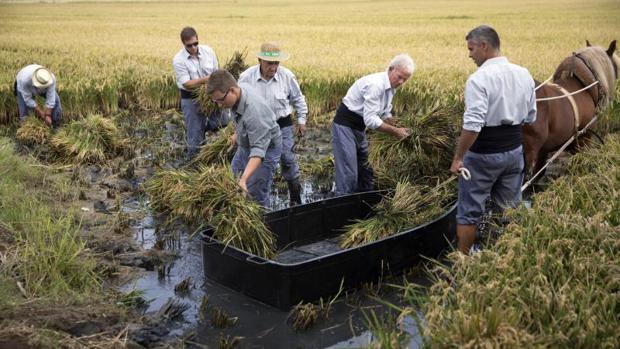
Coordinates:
(279,87)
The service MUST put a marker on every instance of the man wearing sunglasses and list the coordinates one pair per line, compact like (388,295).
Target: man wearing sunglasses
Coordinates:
(192,66)
(258,138)
(280,89)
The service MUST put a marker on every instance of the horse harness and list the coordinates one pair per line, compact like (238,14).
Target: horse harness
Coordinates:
(571,99)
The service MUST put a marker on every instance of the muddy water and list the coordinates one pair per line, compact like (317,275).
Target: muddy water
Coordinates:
(260,325)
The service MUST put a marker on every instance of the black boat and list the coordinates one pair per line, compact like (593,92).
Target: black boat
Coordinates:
(311,263)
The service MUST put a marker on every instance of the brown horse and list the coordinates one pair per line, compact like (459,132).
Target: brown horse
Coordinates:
(557,120)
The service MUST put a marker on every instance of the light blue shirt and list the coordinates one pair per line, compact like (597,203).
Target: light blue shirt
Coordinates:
(255,123)
(499,93)
(279,92)
(29,91)
(371,96)
(186,67)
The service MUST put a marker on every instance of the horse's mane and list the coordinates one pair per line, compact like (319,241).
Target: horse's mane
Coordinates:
(600,64)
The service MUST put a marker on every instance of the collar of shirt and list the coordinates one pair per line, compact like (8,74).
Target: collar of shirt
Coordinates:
(189,55)
(240,108)
(259,77)
(494,60)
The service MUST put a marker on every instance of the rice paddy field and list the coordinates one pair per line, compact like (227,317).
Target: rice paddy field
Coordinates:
(92,210)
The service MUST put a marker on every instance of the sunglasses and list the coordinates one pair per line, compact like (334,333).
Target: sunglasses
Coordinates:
(193,44)
(220,100)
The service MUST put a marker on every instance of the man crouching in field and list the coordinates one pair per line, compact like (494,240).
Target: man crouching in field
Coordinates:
(34,80)
(367,104)
(258,137)
(499,98)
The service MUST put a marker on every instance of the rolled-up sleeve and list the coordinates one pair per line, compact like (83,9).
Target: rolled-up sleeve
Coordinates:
(531,114)
(181,72)
(50,95)
(258,130)
(372,106)
(476,106)
(298,100)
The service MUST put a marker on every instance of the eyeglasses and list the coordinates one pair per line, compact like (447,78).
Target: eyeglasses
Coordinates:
(220,100)
(193,44)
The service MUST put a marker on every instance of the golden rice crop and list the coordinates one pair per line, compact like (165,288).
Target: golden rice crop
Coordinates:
(235,66)
(93,139)
(218,150)
(33,131)
(317,168)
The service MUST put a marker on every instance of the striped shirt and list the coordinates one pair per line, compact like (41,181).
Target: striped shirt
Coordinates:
(499,93)
(279,92)
(29,91)
(371,98)
(186,67)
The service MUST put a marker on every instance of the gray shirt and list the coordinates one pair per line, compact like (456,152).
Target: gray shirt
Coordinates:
(29,91)
(499,93)
(186,67)
(255,123)
(371,97)
(280,91)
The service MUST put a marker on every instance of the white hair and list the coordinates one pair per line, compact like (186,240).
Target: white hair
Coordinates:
(402,61)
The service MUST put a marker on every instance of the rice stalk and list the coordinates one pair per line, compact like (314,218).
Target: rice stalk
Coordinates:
(304,315)
(235,66)
(217,151)
(317,168)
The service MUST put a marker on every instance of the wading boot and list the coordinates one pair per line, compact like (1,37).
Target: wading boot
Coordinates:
(294,192)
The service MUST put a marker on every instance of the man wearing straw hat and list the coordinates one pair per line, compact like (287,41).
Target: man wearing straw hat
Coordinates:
(499,98)
(192,66)
(367,104)
(279,87)
(258,138)
(35,80)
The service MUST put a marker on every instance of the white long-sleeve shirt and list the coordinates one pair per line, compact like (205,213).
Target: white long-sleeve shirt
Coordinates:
(499,93)
(280,92)
(29,91)
(371,97)
(186,67)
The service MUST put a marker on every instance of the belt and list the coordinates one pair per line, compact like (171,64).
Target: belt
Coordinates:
(285,121)
(185,94)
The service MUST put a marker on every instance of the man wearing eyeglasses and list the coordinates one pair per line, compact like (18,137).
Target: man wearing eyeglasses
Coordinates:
(279,87)
(192,66)
(258,137)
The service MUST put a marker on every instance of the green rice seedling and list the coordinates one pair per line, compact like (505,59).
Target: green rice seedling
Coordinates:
(171,310)
(425,153)
(33,132)
(133,299)
(304,315)
(408,206)
(217,151)
(93,139)
(221,319)
(386,334)
(226,342)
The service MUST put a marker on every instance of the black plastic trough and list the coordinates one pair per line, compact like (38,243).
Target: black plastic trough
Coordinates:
(312,265)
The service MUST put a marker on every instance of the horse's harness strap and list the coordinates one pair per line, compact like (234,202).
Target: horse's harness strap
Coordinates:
(571,99)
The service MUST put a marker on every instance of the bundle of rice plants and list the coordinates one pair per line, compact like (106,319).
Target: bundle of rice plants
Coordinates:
(217,151)
(409,205)
(303,316)
(210,194)
(235,66)
(92,139)
(33,132)
(425,153)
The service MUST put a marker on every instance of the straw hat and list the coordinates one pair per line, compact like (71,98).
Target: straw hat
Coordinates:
(42,78)
(270,51)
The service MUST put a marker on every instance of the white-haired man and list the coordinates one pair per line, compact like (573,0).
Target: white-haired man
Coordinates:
(279,87)
(367,104)
(35,80)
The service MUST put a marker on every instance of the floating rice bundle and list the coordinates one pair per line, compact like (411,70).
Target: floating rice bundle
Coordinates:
(211,194)
(218,151)
(318,168)
(409,205)
(92,139)
(33,132)
(235,66)
(427,152)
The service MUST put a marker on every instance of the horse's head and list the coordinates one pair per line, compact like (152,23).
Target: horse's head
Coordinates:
(612,53)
